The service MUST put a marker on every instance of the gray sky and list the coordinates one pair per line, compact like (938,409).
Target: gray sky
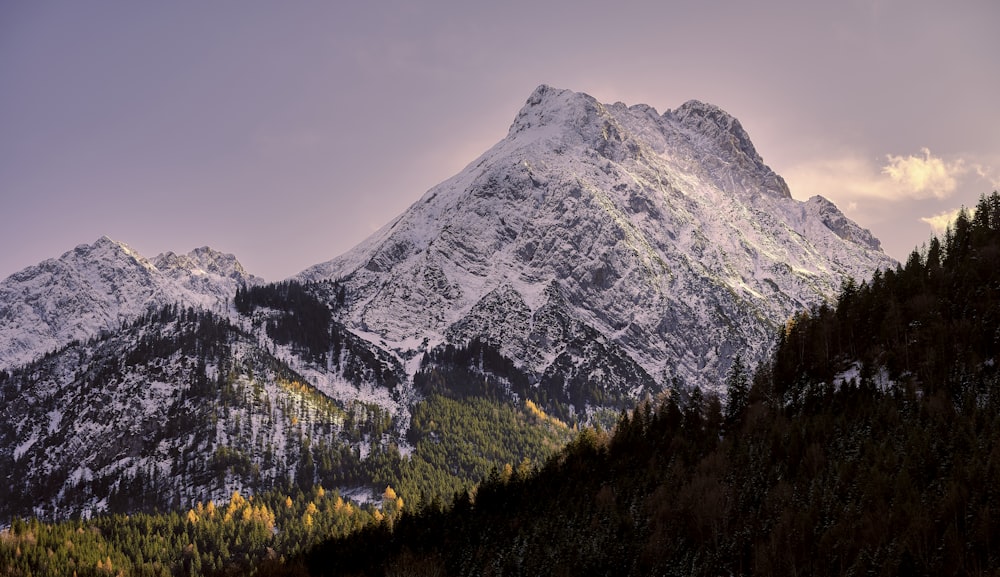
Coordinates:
(286,132)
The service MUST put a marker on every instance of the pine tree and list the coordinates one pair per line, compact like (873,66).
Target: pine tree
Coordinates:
(737,390)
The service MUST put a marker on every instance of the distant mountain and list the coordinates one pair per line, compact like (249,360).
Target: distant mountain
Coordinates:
(135,384)
(606,245)
(95,288)
(182,405)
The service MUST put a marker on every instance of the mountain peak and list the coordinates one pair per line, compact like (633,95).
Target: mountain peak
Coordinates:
(712,121)
(660,230)
(708,121)
(553,107)
(95,287)
(105,251)
(561,119)
(204,260)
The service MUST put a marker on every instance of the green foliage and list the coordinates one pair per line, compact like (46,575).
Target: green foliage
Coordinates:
(252,422)
(737,389)
(865,482)
(457,443)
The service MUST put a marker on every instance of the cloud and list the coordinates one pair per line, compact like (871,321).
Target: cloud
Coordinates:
(850,177)
(940,222)
(924,176)
(986,173)
(845,178)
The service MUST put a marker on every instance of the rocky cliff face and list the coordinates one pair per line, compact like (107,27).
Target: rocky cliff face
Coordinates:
(663,235)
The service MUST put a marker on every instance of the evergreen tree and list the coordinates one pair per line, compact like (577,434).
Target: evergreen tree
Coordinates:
(737,389)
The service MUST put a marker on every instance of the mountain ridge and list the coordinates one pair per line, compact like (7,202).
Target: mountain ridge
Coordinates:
(643,221)
(646,200)
(866,443)
(96,287)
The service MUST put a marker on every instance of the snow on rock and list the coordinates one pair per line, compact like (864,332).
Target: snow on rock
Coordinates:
(666,233)
(95,288)
(108,421)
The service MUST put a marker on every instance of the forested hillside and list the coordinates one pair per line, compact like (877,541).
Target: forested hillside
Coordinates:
(239,536)
(928,325)
(179,406)
(870,444)
(192,407)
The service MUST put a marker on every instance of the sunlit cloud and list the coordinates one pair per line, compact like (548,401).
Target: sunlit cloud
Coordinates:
(851,177)
(940,222)
(924,176)
(843,179)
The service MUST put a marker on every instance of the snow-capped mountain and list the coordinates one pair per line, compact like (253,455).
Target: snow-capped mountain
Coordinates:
(95,288)
(595,255)
(177,406)
(129,384)
(664,237)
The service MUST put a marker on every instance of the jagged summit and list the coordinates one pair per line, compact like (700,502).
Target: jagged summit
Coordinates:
(95,287)
(562,118)
(708,120)
(664,233)
(554,107)
(845,228)
(204,261)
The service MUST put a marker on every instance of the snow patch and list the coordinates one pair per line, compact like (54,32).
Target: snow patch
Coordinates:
(852,373)
(21,449)
(55,418)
